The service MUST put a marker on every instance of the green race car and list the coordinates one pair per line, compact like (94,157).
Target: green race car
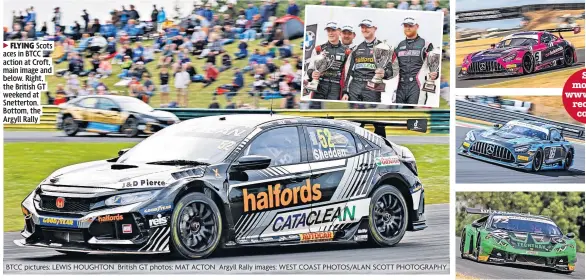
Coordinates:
(504,237)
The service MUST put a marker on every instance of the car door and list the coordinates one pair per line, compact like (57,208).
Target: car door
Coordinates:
(342,166)
(550,50)
(261,199)
(107,116)
(554,152)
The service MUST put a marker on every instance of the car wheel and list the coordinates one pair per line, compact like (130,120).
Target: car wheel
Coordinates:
(388,216)
(537,161)
(569,160)
(130,127)
(196,227)
(73,253)
(70,127)
(528,64)
(568,57)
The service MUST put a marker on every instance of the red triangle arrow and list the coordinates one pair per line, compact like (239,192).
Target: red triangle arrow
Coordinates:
(4,45)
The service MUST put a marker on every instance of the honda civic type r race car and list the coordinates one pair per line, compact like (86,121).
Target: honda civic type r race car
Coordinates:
(503,237)
(528,145)
(521,53)
(228,181)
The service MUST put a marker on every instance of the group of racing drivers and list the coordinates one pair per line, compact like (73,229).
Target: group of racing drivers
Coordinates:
(346,79)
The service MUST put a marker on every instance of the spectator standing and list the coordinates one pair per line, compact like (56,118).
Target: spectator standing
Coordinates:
(149,86)
(415,5)
(57,18)
(133,14)
(231,11)
(161,17)
(293,9)
(155,17)
(164,88)
(207,12)
(86,18)
(251,11)
(182,81)
(403,5)
(32,16)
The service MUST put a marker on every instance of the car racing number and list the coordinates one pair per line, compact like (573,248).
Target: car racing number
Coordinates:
(325,138)
(226,145)
(538,57)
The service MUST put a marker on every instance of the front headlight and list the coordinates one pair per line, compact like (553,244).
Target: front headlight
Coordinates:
(470,136)
(408,159)
(522,149)
(466,60)
(130,198)
(510,56)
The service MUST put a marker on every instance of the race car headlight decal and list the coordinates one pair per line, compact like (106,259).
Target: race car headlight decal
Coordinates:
(466,60)
(25,211)
(563,248)
(557,240)
(510,56)
(470,136)
(130,198)
(522,149)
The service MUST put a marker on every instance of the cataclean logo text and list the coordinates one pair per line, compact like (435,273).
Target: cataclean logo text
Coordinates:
(276,197)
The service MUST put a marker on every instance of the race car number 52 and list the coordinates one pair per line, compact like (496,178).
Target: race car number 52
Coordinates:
(574,96)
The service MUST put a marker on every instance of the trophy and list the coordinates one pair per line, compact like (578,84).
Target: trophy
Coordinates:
(321,62)
(382,54)
(433,62)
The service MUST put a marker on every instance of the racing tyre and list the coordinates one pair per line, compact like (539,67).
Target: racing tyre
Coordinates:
(70,127)
(130,127)
(528,64)
(72,253)
(388,217)
(569,160)
(537,161)
(196,227)
(568,57)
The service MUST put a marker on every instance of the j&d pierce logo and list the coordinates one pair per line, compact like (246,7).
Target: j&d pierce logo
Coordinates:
(60,202)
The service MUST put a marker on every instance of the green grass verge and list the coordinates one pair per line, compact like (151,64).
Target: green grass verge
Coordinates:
(27,164)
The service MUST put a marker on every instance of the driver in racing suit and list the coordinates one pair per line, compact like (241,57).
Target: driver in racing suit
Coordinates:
(412,53)
(329,82)
(360,67)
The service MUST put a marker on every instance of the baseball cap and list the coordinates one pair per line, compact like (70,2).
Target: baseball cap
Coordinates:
(347,28)
(367,23)
(332,25)
(409,20)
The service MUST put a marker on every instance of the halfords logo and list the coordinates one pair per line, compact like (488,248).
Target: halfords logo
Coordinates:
(321,216)
(387,161)
(110,218)
(274,197)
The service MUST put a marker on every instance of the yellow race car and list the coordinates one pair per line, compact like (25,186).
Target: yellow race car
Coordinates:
(111,114)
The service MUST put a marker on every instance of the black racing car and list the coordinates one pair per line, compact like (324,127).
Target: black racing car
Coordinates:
(232,181)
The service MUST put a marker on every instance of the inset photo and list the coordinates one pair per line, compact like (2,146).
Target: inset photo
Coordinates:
(517,139)
(518,44)
(520,235)
(375,56)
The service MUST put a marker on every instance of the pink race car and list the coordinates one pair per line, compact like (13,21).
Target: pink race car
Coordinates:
(521,53)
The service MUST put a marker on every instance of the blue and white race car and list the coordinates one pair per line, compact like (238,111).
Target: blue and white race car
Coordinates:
(528,145)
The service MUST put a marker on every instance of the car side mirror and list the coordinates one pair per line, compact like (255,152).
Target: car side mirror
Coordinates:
(115,109)
(476,225)
(123,151)
(570,235)
(497,125)
(492,46)
(251,162)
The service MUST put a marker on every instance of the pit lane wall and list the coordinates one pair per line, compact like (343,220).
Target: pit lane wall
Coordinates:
(486,115)
(438,119)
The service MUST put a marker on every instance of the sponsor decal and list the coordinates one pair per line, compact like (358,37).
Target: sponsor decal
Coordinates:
(159,221)
(217,173)
(157,209)
(321,216)
(409,53)
(364,59)
(276,197)
(554,51)
(387,161)
(61,222)
(531,253)
(361,237)
(60,202)
(466,144)
(110,218)
(365,66)
(523,158)
(316,236)
(329,153)
(362,230)
(143,183)
(126,228)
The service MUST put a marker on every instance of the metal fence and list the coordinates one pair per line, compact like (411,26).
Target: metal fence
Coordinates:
(486,113)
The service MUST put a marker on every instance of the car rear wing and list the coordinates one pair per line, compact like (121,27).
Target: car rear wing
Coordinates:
(576,30)
(418,125)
